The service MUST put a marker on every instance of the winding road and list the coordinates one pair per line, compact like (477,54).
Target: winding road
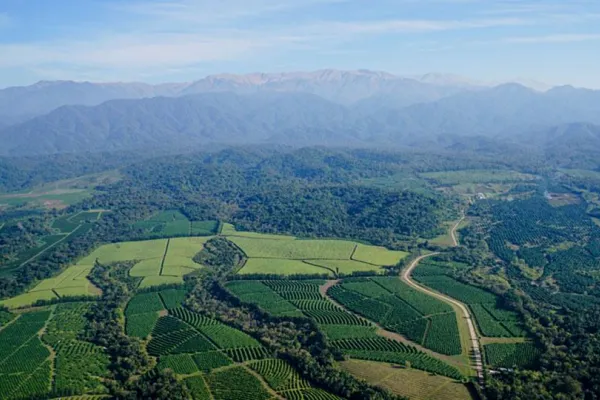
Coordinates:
(477,359)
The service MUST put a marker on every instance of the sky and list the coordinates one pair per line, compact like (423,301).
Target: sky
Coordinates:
(551,41)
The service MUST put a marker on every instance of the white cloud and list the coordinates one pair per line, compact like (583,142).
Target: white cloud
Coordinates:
(557,38)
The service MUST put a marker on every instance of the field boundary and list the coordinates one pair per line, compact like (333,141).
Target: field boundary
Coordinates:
(162,263)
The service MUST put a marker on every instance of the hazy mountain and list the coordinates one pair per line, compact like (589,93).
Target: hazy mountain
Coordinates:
(508,110)
(344,87)
(510,113)
(189,120)
(20,103)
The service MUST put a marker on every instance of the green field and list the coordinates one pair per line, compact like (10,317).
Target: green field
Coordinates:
(492,320)
(512,355)
(71,282)
(410,383)
(269,254)
(280,267)
(295,249)
(399,308)
(24,369)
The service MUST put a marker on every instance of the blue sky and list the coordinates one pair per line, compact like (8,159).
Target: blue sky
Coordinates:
(552,41)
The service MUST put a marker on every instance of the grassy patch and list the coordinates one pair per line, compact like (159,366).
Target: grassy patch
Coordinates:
(280,267)
(377,255)
(295,249)
(410,383)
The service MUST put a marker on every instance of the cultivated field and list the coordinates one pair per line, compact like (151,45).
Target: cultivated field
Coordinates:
(173,223)
(72,282)
(285,255)
(352,335)
(492,320)
(411,383)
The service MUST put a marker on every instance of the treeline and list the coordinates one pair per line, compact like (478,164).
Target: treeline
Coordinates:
(130,374)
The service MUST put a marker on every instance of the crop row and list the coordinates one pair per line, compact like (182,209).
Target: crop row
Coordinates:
(35,385)
(373,344)
(141,325)
(510,355)
(336,318)
(279,374)
(173,298)
(442,335)
(78,373)
(144,303)
(414,360)
(26,358)
(226,337)
(197,387)
(244,354)
(236,384)
(422,302)
(309,394)
(192,318)
(20,331)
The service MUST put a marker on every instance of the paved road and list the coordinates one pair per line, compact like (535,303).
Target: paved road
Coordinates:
(475,347)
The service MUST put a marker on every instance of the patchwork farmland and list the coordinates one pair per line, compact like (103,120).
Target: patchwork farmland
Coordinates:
(374,320)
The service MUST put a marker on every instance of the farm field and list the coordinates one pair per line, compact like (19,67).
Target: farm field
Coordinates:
(491,320)
(172,223)
(511,355)
(156,266)
(399,308)
(71,282)
(411,383)
(285,255)
(353,336)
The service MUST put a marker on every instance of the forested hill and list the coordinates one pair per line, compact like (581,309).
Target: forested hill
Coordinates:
(508,114)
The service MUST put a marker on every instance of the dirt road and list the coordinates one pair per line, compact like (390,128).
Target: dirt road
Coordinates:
(475,347)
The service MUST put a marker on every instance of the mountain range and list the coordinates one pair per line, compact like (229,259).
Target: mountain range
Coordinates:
(328,107)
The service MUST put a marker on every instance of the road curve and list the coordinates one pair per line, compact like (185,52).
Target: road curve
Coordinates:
(475,347)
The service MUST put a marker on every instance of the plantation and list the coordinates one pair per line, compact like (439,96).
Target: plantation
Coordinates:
(246,386)
(279,374)
(512,355)
(210,360)
(197,387)
(371,299)
(281,267)
(491,320)
(24,370)
(180,364)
